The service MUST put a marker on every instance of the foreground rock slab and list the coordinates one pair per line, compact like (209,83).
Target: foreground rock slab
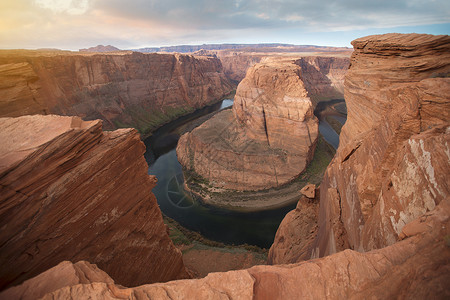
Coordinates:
(415,268)
(69,191)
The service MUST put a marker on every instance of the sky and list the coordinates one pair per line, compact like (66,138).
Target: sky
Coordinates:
(128,24)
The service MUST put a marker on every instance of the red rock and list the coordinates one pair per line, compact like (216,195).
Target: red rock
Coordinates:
(392,165)
(60,276)
(387,188)
(415,268)
(296,234)
(309,191)
(69,191)
(123,89)
(269,138)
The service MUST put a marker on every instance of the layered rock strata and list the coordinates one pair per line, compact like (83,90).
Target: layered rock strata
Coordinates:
(265,141)
(392,165)
(415,268)
(416,264)
(69,191)
(123,89)
(295,236)
(329,63)
(393,162)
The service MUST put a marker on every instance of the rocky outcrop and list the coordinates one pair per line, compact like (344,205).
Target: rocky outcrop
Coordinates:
(295,236)
(406,148)
(269,137)
(63,275)
(393,163)
(323,77)
(235,64)
(415,268)
(265,141)
(69,191)
(123,89)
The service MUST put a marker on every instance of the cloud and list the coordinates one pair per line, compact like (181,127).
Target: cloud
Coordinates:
(73,24)
(73,7)
(306,14)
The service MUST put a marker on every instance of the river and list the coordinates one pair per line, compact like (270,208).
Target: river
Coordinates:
(230,227)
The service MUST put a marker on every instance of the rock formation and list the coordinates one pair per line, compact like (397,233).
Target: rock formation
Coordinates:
(395,146)
(269,137)
(415,268)
(123,89)
(265,141)
(393,163)
(63,275)
(295,236)
(69,191)
(325,76)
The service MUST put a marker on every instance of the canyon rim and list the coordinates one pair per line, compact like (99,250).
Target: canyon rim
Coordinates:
(73,194)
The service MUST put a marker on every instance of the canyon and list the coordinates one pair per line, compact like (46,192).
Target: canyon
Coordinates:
(383,207)
(125,89)
(269,137)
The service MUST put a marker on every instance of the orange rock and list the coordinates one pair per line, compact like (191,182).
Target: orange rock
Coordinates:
(296,233)
(69,191)
(269,137)
(62,275)
(415,268)
(309,191)
(392,165)
(389,180)
(124,89)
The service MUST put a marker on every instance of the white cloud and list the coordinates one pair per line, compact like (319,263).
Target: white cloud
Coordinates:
(73,7)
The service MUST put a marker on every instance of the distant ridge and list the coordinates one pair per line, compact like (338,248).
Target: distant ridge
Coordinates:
(101,48)
(269,47)
(265,47)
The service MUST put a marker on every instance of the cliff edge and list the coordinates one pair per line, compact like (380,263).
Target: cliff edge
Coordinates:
(126,89)
(69,191)
(387,189)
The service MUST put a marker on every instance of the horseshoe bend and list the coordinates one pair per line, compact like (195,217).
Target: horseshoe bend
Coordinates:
(79,219)
(269,137)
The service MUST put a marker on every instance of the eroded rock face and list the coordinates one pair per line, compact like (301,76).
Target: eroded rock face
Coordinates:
(415,268)
(332,65)
(393,162)
(63,275)
(392,165)
(407,148)
(296,234)
(69,191)
(265,141)
(123,89)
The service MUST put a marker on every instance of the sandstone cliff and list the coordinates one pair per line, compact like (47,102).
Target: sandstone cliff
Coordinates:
(392,165)
(415,268)
(325,77)
(414,189)
(265,141)
(393,162)
(69,191)
(295,236)
(123,89)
